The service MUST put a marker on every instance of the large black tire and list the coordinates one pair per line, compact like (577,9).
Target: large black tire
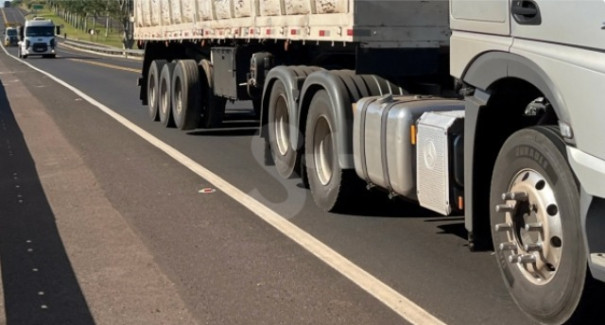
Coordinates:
(165,98)
(532,164)
(213,107)
(332,187)
(153,88)
(186,95)
(283,153)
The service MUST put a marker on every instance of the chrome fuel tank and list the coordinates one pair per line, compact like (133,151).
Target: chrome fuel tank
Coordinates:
(384,139)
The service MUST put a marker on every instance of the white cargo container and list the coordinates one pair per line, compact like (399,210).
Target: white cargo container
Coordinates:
(521,153)
(395,23)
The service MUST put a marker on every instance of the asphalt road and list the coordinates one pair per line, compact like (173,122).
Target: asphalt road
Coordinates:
(130,239)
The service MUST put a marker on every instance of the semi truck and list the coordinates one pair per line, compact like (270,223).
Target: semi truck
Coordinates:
(37,37)
(487,109)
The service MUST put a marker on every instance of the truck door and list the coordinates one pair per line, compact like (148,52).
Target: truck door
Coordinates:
(577,23)
(477,27)
(485,16)
(566,40)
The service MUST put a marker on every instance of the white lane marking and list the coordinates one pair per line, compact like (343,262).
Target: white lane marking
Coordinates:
(387,295)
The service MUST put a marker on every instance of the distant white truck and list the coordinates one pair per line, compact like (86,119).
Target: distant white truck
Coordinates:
(490,109)
(10,36)
(37,37)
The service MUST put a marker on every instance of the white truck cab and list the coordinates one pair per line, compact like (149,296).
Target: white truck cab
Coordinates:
(516,59)
(10,36)
(37,37)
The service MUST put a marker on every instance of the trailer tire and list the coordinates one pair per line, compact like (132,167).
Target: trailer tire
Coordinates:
(186,95)
(165,98)
(330,185)
(213,107)
(534,161)
(153,85)
(283,153)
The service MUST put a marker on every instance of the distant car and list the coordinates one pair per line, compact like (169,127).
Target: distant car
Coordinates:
(10,36)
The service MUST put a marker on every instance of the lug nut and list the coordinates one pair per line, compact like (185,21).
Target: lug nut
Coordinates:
(533,227)
(508,246)
(503,227)
(504,208)
(522,258)
(518,196)
(532,247)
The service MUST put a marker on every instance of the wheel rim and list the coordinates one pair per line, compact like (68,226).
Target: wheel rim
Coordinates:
(533,226)
(152,92)
(178,96)
(281,123)
(165,98)
(323,150)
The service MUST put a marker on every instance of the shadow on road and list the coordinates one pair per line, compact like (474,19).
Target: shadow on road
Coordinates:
(39,284)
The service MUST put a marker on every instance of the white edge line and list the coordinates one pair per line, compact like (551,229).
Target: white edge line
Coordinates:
(385,294)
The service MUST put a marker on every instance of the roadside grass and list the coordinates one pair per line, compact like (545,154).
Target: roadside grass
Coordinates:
(114,38)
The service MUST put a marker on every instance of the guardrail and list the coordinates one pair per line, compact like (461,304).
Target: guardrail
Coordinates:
(104,49)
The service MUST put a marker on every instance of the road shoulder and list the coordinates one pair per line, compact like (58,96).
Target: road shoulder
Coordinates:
(118,277)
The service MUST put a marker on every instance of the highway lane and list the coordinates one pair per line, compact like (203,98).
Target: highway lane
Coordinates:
(12,15)
(417,253)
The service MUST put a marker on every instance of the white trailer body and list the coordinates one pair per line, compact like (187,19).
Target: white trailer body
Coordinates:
(410,23)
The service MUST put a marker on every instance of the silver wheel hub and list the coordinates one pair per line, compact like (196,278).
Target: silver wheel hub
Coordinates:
(532,226)
(152,91)
(178,93)
(323,150)
(165,97)
(281,124)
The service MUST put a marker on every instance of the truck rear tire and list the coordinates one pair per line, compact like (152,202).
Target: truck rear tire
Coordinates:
(330,185)
(536,226)
(213,107)
(186,95)
(153,88)
(283,154)
(165,98)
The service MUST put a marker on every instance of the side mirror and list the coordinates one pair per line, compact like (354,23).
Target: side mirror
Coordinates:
(58,32)
(20,29)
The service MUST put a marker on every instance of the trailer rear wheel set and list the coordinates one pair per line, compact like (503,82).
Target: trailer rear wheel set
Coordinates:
(180,95)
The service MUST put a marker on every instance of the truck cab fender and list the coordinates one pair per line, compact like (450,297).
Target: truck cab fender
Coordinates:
(482,74)
(487,68)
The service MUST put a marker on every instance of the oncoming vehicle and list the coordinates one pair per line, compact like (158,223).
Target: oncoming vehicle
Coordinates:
(11,36)
(37,37)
